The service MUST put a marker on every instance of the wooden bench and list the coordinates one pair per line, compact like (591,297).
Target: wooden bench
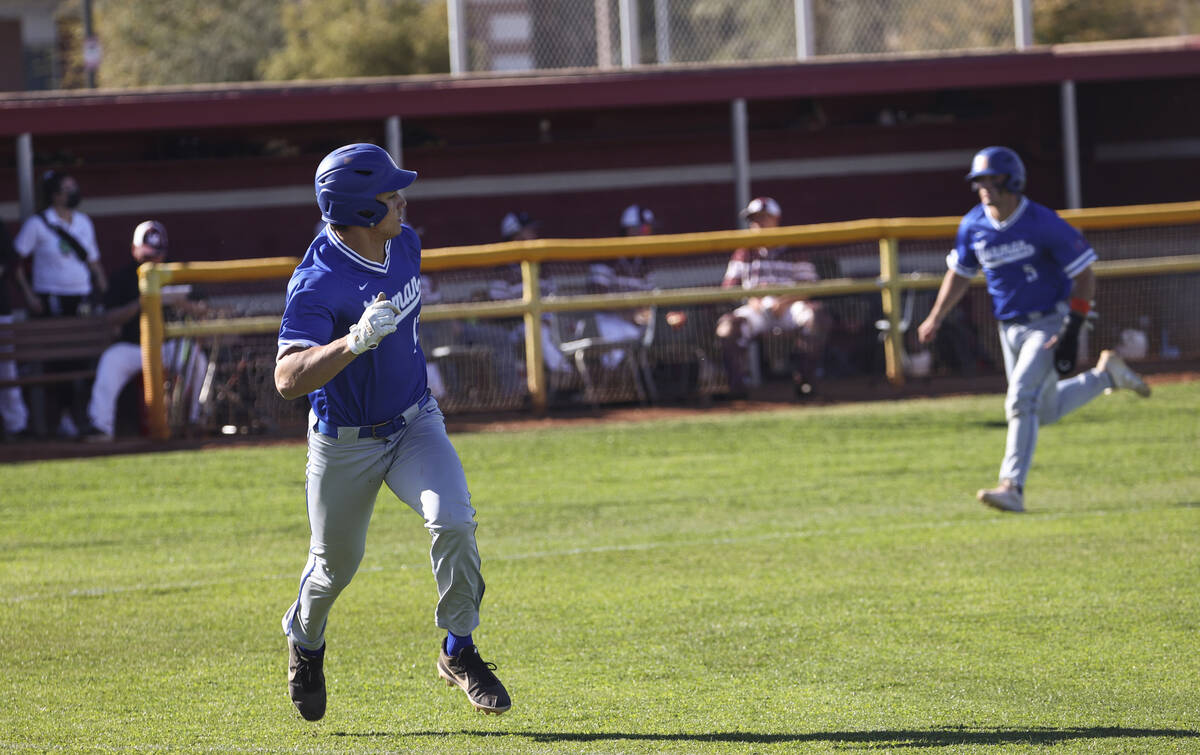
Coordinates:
(36,342)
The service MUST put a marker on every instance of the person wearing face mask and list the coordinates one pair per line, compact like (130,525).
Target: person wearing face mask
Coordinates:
(66,276)
(62,243)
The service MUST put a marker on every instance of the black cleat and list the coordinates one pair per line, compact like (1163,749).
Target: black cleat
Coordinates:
(306,681)
(474,676)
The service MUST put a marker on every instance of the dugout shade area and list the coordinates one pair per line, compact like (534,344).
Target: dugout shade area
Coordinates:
(1152,307)
(229,168)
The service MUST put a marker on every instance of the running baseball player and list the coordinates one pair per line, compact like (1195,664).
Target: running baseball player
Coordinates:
(1039,274)
(349,341)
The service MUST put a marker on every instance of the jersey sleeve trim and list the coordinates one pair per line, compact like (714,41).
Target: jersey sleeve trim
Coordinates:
(1081,263)
(288,345)
(959,269)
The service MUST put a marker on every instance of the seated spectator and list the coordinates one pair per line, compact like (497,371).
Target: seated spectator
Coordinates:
(509,284)
(754,267)
(504,338)
(637,220)
(622,275)
(433,374)
(121,361)
(518,226)
(514,226)
(13,412)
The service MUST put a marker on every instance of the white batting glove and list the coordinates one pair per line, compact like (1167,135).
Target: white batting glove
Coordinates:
(377,321)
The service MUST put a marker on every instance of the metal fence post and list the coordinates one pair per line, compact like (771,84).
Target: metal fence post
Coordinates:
(150,282)
(805,33)
(395,143)
(662,31)
(456,23)
(889,279)
(1070,139)
(741,153)
(25,192)
(603,35)
(535,369)
(631,52)
(1023,23)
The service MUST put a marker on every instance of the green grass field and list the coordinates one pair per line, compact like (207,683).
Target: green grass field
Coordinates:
(814,580)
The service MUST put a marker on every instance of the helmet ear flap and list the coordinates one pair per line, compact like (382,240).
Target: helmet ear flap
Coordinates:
(349,179)
(1015,182)
(346,209)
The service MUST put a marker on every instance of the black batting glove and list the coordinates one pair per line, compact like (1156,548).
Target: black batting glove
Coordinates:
(1066,349)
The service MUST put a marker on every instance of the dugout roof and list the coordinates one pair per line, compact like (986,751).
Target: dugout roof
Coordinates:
(223,105)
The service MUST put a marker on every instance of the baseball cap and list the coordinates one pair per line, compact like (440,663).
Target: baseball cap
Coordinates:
(761,204)
(151,233)
(635,215)
(513,223)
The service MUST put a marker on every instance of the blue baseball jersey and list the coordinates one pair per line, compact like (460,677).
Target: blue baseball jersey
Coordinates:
(1029,259)
(327,294)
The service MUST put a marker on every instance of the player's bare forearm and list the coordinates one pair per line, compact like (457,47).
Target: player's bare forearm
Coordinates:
(124,313)
(1084,285)
(951,292)
(298,373)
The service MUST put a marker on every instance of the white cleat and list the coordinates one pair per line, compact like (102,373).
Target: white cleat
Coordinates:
(1004,498)
(1121,375)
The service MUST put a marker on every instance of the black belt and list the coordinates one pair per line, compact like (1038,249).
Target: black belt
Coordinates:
(1025,318)
(380,429)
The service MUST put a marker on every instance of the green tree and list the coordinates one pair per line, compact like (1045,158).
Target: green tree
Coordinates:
(344,38)
(1092,20)
(151,42)
(734,30)
(720,30)
(748,29)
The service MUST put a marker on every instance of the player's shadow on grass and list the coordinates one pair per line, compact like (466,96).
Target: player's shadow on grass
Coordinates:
(877,739)
(992,423)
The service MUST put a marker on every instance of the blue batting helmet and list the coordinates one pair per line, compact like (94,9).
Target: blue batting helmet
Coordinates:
(348,180)
(999,161)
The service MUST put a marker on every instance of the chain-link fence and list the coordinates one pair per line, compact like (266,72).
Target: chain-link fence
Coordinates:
(540,34)
(671,355)
(506,35)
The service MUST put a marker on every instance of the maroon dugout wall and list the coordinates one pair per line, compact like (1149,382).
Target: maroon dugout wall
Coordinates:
(229,168)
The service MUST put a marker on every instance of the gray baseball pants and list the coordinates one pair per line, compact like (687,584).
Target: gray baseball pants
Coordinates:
(419,464)
(1035,394)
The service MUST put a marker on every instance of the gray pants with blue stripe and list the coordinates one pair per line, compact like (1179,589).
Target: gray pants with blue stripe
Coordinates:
(1036,396)
(419,464)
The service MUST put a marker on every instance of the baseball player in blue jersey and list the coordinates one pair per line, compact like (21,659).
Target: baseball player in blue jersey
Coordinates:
(1039,274)
(349,341)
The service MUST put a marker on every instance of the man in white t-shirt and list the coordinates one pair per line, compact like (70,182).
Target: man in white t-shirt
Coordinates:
(62,242)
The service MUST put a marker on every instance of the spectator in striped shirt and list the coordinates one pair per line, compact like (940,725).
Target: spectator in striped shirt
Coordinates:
(755,267)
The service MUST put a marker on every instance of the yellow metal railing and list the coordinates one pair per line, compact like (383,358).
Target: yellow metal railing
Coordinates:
(530,254)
